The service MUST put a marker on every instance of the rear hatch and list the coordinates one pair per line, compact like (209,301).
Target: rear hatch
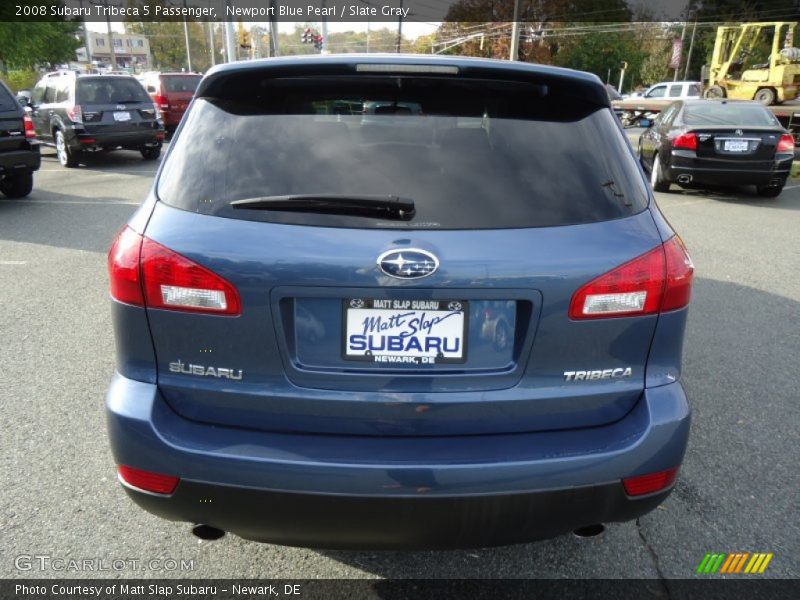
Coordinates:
(177,92)
(12,126)
(114,105)
(354,314)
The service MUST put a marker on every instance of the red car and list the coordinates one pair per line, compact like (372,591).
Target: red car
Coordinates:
(171,93)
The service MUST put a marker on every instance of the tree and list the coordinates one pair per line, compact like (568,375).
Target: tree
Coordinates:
(26,45)
(168,45)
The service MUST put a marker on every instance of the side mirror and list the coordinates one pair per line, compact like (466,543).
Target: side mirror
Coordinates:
(646,123)
(23,101)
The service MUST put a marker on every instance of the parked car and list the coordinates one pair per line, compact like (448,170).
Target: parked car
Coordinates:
(697,143)
(171,93)
(84,113)
(297,356)
(674,90)
(19,148)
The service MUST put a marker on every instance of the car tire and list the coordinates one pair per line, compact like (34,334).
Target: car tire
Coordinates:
(769,191)
(151,153)
(765,96)
(715,91)
(67,157)
(17,185)
(657,180)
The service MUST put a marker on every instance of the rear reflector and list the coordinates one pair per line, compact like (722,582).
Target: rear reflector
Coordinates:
(650,483)
(87,140)
(658,280)
(75,114)
(686,141)
(155,483)
(145,273)
(785,144)
(394,68)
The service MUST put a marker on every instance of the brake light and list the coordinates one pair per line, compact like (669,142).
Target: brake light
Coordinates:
(30,132)
(656,281)
(173,282)
(155,483)
(145,273)
(161,102)
(650,483)
(75,114)
(786,144)
(685,141)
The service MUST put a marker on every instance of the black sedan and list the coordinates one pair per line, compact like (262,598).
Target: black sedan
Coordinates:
(697,143)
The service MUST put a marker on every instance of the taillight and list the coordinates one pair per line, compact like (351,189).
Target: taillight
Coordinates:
(145,273)
(30,132)
(785,144)
(650,483)
(155,483)
(161,102)
(75,114)
(685,141)
(123,268)
(658,280)
(173,282)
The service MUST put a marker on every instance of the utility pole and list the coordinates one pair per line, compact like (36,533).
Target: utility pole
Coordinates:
(514,54)
(186,39)
(623,66)
(211,41)
(678,68)
(324,48)
(399,29)
(273,32)
(230,42)
(689,55)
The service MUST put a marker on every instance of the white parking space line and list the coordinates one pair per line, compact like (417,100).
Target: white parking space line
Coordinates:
(98,202)
(5,263)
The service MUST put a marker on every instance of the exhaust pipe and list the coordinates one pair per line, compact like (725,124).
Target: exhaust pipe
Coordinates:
(684,179)
(589,531)
(206,532)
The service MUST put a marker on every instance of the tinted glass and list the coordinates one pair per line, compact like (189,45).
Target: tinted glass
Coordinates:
(7,99)
(50,93)
(675,91)
(657,92)
(729,113)
(37,95)
(110,90)
(470,154)
(179,83)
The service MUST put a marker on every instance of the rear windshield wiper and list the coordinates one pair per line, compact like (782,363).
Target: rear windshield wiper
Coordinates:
(129,101)
(386,207)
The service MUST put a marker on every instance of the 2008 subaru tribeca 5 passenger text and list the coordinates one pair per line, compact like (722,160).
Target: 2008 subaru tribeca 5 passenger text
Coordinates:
(454,319)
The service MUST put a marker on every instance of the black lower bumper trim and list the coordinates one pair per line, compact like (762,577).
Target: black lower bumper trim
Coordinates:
(356,522)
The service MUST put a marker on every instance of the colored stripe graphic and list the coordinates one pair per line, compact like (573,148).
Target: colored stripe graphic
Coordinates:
(738,562)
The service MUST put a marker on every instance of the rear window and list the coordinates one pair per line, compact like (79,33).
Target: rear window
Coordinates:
(7,99)
(110,90)
(729,113)
(470,154)
(179,83)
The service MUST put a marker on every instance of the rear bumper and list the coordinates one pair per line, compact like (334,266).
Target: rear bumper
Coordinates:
(20,160)
(719,172)
(426,492)
(131,140)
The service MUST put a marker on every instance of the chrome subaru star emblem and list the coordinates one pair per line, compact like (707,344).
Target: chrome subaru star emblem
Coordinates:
(410,263)
(739,132)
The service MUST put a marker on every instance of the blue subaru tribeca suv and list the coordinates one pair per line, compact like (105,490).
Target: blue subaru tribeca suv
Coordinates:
(398,302)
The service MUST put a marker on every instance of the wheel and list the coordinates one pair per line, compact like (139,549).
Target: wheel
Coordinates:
(769,191)
(657,177)
(151,153)
(715,91)
(68,158)
(765,96)
(17,185)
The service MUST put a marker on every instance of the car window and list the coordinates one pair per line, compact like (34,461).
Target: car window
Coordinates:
(50,92)
(729,113)
(695,90)
(37,95)
(180,83)
(7,99)
(657,92)
(110,90)
(62,91)
(470,154)
(675,91)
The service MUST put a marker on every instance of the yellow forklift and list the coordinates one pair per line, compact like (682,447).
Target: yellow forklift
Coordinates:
(734,71)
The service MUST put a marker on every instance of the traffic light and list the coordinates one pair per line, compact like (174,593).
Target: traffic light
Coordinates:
(306,36)
(318,42)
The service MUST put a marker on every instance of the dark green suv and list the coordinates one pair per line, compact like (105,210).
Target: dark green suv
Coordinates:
(19,149)
(83,113)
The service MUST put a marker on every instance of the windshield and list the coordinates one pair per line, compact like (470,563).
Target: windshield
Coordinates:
(110,90)
(738,114)
(180,83)
(486,159)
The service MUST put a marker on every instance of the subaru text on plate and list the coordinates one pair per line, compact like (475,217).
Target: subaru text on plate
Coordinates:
(454,326)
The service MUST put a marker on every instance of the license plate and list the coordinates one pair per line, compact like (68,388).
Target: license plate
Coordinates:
(122,116)
(397,332)
(735,146)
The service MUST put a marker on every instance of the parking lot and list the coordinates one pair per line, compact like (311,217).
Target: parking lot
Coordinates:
(739,488)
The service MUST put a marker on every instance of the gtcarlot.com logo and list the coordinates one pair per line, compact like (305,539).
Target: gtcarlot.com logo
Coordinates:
(738,563)
(46,562)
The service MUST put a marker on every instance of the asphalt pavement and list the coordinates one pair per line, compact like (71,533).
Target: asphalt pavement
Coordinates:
(739,488)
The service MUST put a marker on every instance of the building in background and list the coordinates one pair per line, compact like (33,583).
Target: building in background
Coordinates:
(132,51)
